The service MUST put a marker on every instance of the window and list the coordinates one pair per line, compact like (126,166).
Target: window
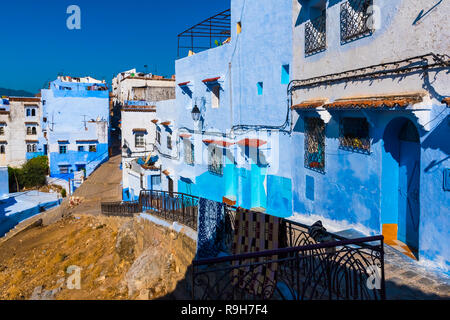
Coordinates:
(2,149)
(31,131)
(62,149)
(139,140)
(92,148)
(2,130)
(169,142)
(188,152)
(260,87)
(315,144)
(80,148)
(63,169)
(355,20)
(158,137)
(285,74)
(31,112)
(238,27)
(31,147)
(315,34)
(354,135)
(215,160)
(215,97)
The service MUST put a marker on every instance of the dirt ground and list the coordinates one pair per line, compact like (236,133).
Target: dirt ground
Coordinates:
(120,258)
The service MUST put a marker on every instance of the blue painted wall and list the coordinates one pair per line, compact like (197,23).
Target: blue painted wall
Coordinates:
(257,54)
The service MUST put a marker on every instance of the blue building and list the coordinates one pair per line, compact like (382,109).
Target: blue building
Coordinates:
(76,126)
(220,140)
(371,120)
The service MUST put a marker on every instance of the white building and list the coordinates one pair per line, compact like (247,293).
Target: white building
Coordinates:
(20,130)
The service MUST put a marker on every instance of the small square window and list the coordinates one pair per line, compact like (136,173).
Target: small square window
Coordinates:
(354,135)
(62,149)
(64,169)
(80,148)
(215,97)
(260,87)
(93,148)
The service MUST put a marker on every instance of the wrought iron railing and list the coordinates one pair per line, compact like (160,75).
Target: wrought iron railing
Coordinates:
(120,209)
(354,135)
(316,35)
(172,206)
(356,20)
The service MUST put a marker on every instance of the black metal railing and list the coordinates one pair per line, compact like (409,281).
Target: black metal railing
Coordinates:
(120,209)
(301,269)
(172,206)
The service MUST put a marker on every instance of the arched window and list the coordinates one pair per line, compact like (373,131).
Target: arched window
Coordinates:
(33,130)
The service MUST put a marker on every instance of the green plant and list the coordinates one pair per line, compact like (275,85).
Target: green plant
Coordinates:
(32,174)
(63,193)
(35,172)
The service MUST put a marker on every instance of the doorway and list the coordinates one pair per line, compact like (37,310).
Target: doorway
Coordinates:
(400,213)
(409,186)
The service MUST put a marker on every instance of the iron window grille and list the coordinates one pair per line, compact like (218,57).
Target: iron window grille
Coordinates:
(92,148)
(215,161)
(316,34)
(2,130)
(62,149)
(139,141)
(315,144)
(355,20)
(354,135)
(189,152)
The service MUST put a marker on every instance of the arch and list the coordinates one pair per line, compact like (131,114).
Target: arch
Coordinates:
(400,184)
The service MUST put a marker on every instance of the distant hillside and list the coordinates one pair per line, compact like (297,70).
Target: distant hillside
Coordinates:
(15,93)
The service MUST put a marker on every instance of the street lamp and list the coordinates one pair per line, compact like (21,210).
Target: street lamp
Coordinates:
(196,113)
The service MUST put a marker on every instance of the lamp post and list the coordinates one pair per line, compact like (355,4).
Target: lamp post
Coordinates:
(196,113)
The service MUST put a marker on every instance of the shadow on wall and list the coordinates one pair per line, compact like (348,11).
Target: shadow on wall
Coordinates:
(436,140)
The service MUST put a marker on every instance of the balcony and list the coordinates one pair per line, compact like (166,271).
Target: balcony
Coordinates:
(207,34)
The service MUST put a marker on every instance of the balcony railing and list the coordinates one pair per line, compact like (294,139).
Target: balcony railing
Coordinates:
(206,34)
(172,206)
(302,269)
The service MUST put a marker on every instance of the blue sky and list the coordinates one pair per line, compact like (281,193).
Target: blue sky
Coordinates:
(115,36)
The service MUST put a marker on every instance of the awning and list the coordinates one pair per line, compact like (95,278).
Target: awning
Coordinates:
(63,141)
(446,101)
(182,84)
(254,143)
(209,80)
(221,143)
(185,136)
(87,141)
(309,104)
(166,123)
(139,130)
(378,102)
(166,172)
(32,141)
(155,121)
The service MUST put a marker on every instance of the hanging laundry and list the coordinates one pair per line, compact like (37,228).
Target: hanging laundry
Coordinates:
(211,228)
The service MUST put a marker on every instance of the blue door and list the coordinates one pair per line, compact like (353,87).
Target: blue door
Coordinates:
(409,186)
